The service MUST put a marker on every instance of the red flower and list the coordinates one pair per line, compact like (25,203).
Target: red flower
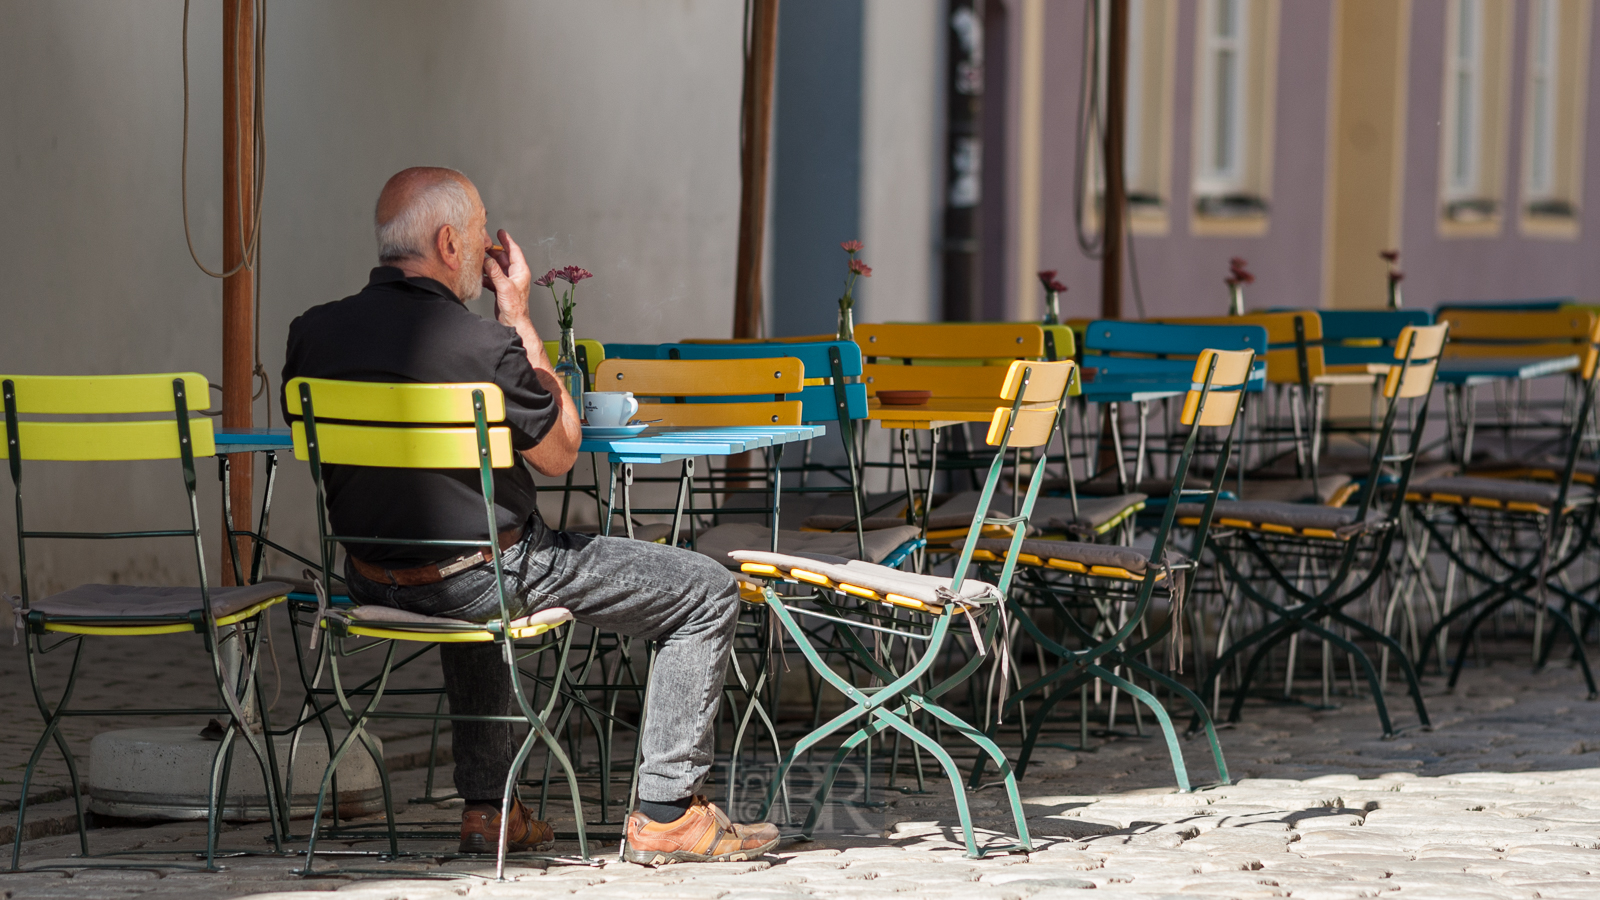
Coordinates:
(1397,277)
(573,274)
(1237,273)
(860,268)
(548,279)
(1390,256)
(851,246)
(1048,279)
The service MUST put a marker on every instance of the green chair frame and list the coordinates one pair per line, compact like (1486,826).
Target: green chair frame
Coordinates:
(177,437)
(502,630)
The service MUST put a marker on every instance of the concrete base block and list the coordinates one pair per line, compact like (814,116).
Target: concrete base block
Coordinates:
(164,773)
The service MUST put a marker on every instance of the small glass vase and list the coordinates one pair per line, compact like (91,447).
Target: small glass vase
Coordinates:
(847,323)
(568,372)
(1235,300)
(1052,308)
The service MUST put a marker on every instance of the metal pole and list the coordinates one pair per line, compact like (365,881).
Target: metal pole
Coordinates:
(759,71)
(238,218)
(963,159)
(1115,204)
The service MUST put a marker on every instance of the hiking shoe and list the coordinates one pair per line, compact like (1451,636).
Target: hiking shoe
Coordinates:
(480,830)
(702,834)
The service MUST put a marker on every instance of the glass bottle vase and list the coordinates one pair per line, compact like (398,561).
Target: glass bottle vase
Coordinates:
(1052,308)
(568,372)
(847,323)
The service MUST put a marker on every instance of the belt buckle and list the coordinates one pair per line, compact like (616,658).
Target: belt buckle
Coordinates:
(461,564)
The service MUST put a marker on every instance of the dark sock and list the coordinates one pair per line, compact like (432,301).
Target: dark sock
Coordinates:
(665,812)
(492,801)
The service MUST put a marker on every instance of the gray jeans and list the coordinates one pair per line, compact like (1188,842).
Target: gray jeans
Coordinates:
(683,601)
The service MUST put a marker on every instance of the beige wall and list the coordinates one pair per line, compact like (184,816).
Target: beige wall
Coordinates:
(602,133)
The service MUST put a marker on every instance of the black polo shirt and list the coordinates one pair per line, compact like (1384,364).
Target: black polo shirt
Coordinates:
(414,330)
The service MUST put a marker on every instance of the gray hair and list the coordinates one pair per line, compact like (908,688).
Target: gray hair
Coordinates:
(410,233)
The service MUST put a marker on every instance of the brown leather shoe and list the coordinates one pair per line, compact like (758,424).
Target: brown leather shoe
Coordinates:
(703,834)
(480,830)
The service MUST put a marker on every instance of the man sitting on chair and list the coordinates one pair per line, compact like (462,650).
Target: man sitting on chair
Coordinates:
(410,324)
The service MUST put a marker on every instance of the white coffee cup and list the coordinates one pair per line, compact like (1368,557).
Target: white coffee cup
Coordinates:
(609,409)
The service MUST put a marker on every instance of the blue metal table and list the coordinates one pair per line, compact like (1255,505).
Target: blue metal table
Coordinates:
(655,446)
(1463,375)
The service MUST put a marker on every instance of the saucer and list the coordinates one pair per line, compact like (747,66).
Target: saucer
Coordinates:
(605,432)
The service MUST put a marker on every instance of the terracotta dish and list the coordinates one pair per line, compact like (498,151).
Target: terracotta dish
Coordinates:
(904,398)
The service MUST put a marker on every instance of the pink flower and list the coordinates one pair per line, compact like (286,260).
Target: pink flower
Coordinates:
(1048,279)
(1397,277)
(573,274)
(1237,273)
(548,279)
(851,246)
(860,268)
(1390,256)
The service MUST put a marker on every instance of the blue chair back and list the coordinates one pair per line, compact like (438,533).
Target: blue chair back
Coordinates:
(1533,304)
(1358,337)
(1167,349)
(632,351)
(817,398)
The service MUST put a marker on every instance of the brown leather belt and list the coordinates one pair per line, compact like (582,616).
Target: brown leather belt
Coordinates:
(435,572)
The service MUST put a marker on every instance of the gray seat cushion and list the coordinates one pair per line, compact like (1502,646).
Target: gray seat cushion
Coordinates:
(1094,513)
(1498,493)
(373,614)
(839,512)
(721,541)
(134,603)
(1291,490)
(932,590)
(1275,517)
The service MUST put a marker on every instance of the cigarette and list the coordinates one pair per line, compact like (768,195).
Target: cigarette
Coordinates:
(496,247)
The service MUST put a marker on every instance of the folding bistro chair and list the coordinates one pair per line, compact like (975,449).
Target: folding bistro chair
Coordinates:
(227,619)
(417,426)
(1506,349)
(1255,536)
(1521,538)
(1054,570)
(1299,378)
(852,595)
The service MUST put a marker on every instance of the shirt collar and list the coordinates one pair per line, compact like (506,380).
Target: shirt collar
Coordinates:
(388,275)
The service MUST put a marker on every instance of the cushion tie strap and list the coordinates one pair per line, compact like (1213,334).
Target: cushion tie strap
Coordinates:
(19,616)
(323,612)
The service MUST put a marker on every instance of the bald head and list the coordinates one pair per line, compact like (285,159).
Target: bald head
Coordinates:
(430,221)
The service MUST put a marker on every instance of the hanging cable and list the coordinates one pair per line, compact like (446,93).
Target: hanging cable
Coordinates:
(258,136)
(1133,263)
(1088,128)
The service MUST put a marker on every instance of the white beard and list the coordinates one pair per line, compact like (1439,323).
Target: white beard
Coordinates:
(469,283)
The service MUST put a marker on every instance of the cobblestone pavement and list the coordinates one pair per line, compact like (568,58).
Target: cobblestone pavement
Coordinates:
(1501,799)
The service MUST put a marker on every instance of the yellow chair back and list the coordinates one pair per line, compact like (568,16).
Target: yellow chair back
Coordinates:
(949,359)
(79,395)
(1567,331)
(676,380)
(1424,345)
(427,412)
(1035,421)
(1227,387)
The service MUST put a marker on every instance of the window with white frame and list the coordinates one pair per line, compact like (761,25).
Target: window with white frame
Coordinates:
(1544,18)
(1234,90)
(1476,92)
(1553,111)
(1147,118)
